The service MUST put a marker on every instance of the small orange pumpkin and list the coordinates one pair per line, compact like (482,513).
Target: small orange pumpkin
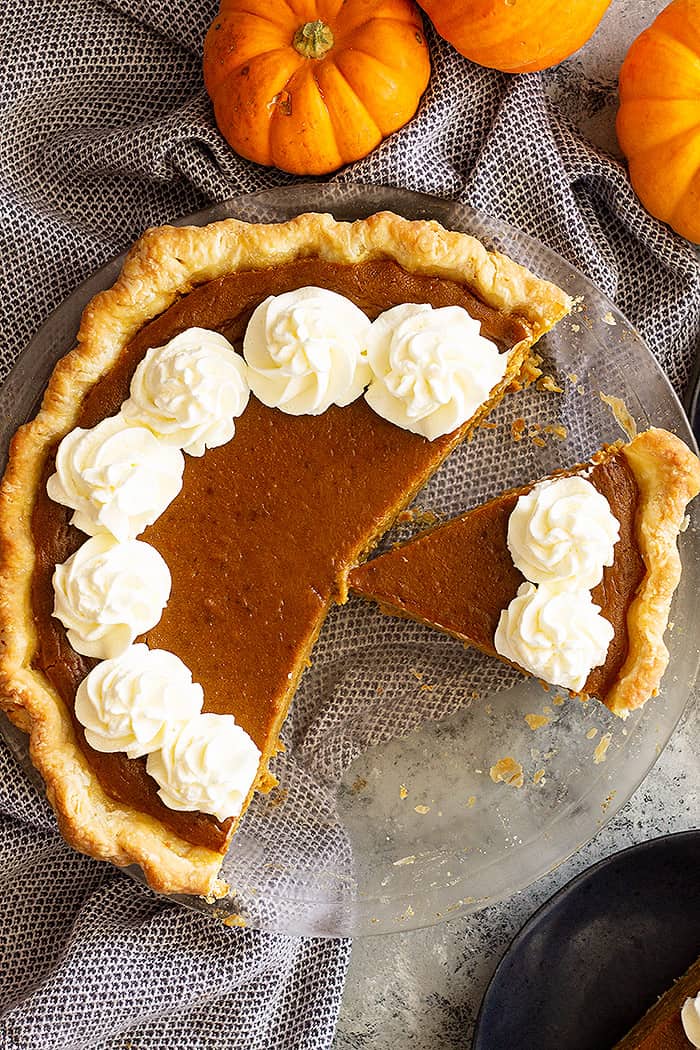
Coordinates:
(658,123)
(310,85)
(516,36)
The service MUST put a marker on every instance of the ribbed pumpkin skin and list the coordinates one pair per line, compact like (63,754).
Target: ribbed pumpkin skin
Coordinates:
(658,123)
(311,115)
(516,36)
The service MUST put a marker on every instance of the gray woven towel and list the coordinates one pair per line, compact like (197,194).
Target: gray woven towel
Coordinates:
(106,129)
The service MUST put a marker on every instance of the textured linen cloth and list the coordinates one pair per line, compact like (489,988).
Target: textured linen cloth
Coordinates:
(106,129)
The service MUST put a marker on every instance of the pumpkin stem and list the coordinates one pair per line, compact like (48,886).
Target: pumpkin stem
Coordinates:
(314,39)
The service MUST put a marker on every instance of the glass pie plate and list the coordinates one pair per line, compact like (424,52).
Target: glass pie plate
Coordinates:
(413,829)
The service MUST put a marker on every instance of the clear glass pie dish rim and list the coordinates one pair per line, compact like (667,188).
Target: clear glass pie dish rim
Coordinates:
(413,904)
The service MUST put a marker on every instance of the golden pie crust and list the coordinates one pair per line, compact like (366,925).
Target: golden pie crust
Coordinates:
(668,477)
(165,264)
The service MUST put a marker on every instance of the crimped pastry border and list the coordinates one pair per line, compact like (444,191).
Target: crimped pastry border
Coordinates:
(165,264)
(668,477)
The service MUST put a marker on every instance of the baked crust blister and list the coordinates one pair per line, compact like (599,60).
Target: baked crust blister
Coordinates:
(165,264)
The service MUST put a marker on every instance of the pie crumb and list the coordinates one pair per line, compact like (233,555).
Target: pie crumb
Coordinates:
(548,384)
(517,429)
(234,920)
(422,810)
(358,785)
(418,516)
(592,732)
(558,700)
(403,791)
(603,745)
(538,776)
(508,771)
(622,414)
(278,798)
(536,721)
(471,801)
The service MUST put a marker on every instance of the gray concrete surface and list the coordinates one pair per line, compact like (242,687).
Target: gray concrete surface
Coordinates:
(423,989)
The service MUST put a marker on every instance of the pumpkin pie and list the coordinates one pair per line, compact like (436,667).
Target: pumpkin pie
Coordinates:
(670,1021)
(262,535)
(462,578)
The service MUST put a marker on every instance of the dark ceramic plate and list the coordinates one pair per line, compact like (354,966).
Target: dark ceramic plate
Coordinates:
(588,964)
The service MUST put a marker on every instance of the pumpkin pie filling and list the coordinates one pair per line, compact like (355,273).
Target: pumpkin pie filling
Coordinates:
(460,576)
(265,529)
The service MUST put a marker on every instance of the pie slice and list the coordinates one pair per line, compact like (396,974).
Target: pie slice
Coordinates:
(460,576)
(266,527)
(662,1027)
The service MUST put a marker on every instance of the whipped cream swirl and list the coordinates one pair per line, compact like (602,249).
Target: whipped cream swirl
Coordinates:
(557,635)
(432,368)
(690,1016)
(108,593)
(305,351)
(135,701)
(209,765)
(117,478)
(189,391)
(563,530)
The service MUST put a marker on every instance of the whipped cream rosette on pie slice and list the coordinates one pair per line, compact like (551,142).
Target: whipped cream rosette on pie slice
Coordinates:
(233,433)
(570,579)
